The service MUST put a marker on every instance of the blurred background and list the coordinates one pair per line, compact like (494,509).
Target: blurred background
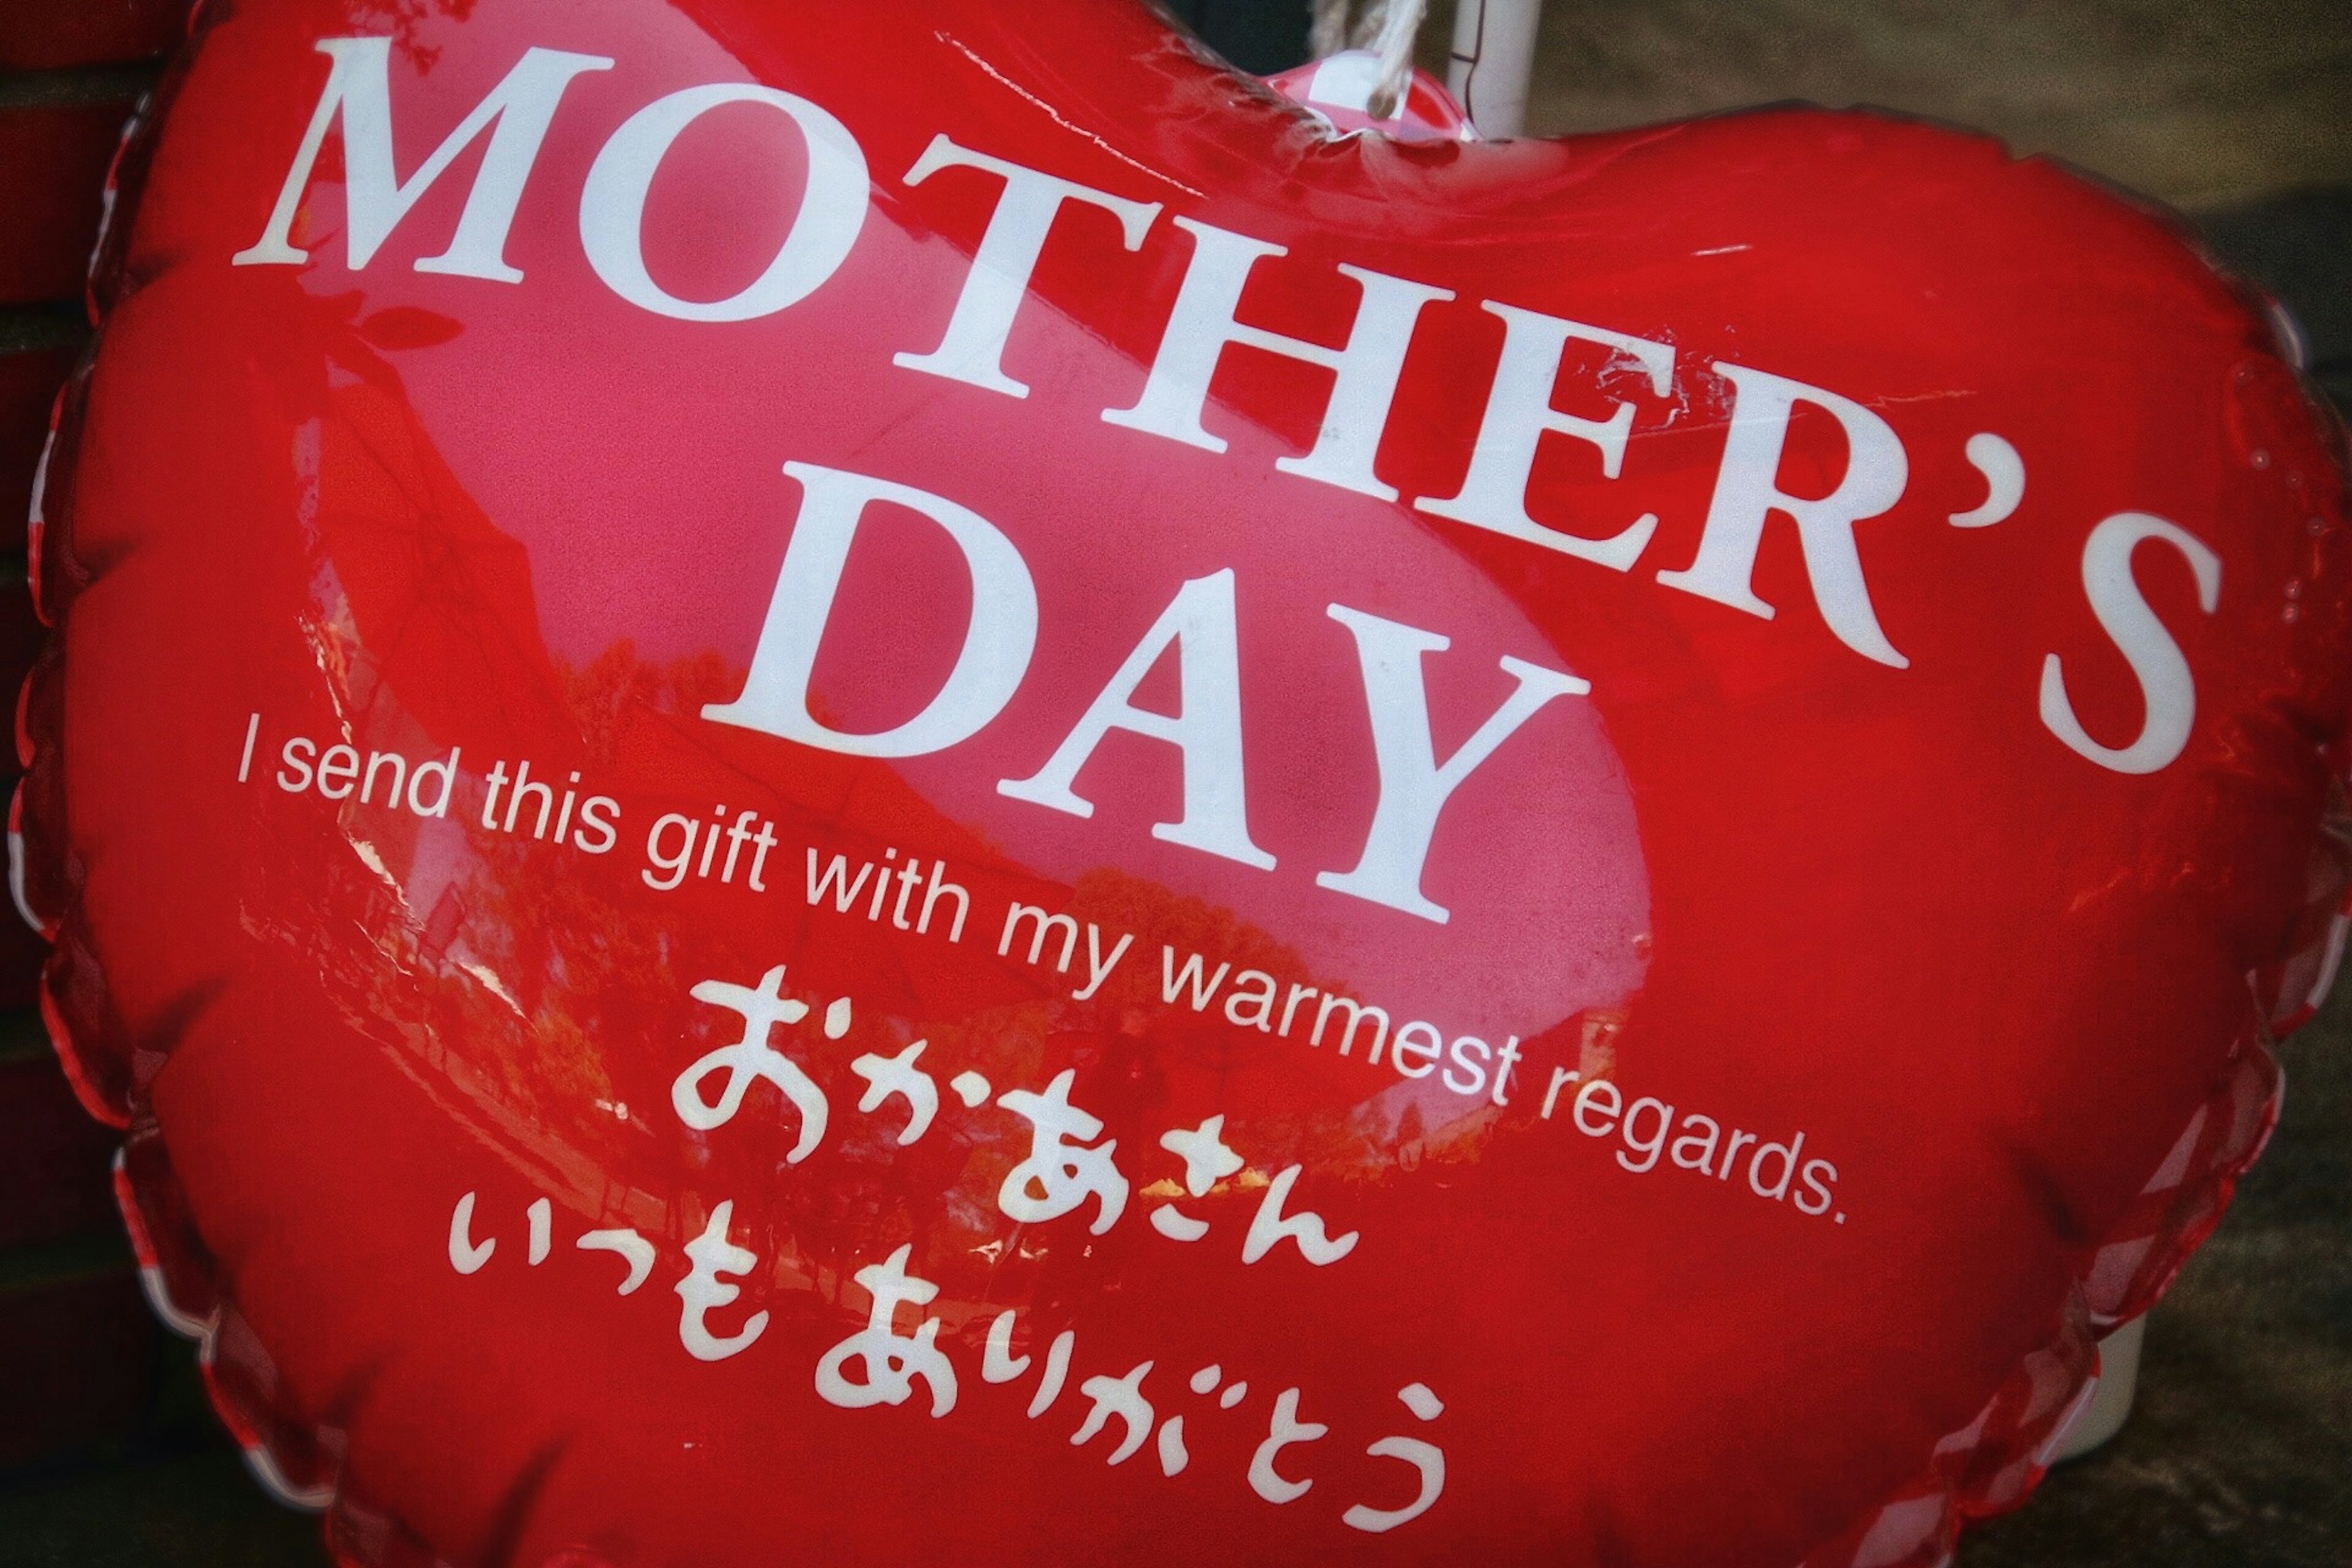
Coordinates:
(2239,113)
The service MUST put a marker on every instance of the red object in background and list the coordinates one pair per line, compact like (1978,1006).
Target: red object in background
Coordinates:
(21,639)
(29,387)
(35,37)
(53,166)
(77,1341)
(77,1365)
(53,1159)
(1881,608)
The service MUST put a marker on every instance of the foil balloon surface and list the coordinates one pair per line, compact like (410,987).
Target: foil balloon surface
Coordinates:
(909,784)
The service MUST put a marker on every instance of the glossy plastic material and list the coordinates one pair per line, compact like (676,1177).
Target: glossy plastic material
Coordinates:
(908,784)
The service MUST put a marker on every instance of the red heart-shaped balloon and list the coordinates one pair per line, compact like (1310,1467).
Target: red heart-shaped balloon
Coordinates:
(871,784)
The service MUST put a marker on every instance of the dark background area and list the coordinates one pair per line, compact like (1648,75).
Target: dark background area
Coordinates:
(2240,114)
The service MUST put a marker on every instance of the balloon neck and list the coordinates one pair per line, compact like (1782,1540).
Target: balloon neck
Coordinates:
(1341,88)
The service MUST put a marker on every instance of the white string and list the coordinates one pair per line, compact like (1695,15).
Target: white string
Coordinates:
(1328,35)
(1388,29)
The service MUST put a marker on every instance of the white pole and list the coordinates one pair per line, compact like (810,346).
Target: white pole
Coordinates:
(1494,57)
